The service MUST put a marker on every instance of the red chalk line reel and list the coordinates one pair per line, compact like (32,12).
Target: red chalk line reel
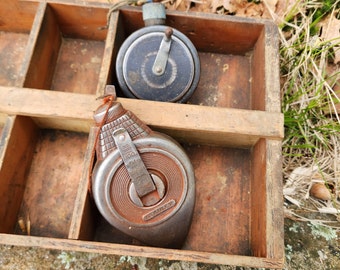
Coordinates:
(143,182)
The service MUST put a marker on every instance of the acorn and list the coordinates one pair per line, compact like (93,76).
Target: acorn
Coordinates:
(320,191)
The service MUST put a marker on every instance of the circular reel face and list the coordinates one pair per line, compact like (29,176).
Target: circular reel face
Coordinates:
(169,178)
(136,59)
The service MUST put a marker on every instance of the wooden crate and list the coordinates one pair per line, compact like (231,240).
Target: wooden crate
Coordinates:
(231,129)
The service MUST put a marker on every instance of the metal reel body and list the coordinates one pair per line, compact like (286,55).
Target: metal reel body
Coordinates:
(165,223)
(136,60)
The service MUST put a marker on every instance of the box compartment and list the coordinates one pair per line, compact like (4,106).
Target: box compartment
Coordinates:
(234,48)
(68,46)
(229,216)
(41,170)
(14,35)
(221,221)
(17,144)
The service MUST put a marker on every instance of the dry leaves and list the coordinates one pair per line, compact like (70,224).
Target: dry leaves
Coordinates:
(306,181)
(330,32)
(228,5)
(243,8)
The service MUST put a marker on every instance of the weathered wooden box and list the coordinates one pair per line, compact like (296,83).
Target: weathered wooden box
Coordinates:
(57,56)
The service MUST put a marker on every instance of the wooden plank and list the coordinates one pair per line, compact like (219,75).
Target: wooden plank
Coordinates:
(113,41)
(16,151)
(44,47)
(259,90)
(266,210)
(81,3)
(272,69)
(70,13)
(209,32)
(259,207)
(16,16)
(93,20)
(265,71)
(274,200)
(160,253)
(191,123)
(82,222)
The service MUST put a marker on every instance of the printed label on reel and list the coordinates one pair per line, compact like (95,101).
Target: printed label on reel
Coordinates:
(159,210)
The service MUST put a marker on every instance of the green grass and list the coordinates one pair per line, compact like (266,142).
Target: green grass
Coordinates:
(307,87)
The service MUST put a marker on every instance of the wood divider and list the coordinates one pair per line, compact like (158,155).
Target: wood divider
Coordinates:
(191,123)
(119,249)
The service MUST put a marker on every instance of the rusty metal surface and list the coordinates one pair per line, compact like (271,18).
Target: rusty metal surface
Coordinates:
(145,186)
